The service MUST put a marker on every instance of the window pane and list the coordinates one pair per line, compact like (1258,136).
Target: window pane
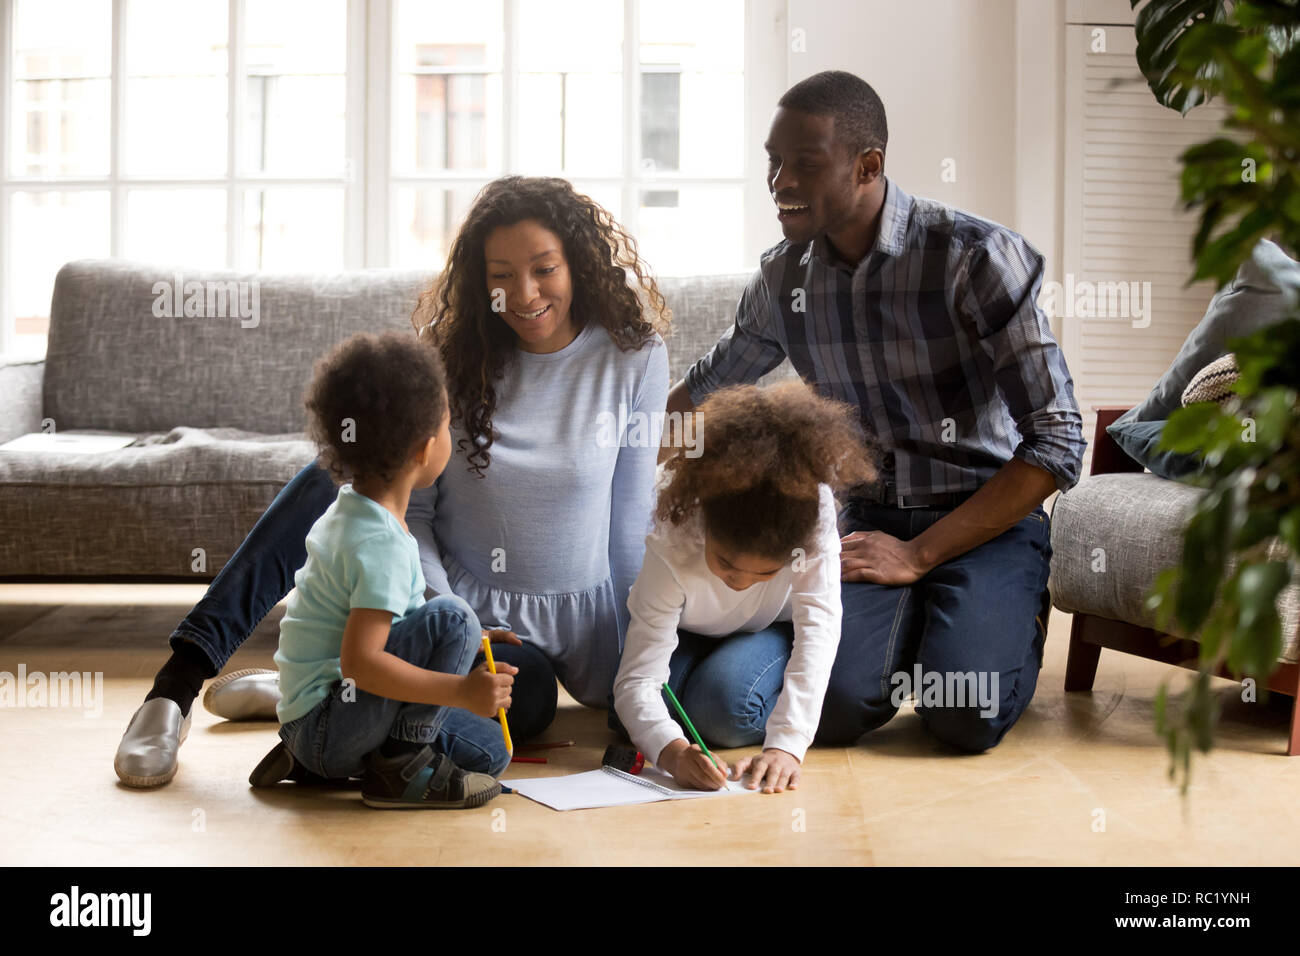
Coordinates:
(60,123)
(576,35)
(176,88)
(184,227)
(293,230)
(427,220)
(571,123)
(692,87)
(50,228)
(296,57)
(692,230)
(447,91)
(609,196)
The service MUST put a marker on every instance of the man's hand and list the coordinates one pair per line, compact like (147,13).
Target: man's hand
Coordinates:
(874,557)
(690,767)
(773,770)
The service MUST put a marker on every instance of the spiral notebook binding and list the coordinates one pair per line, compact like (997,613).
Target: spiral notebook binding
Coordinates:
(639,780)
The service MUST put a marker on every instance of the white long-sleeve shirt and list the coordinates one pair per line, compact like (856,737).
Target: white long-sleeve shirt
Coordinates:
(675,589)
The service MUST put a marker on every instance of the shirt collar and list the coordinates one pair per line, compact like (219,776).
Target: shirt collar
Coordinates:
(894,214)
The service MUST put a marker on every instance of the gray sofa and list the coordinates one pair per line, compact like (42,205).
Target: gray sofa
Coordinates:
(214,406)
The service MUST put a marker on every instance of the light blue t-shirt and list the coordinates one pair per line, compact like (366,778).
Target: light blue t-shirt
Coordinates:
(358,555)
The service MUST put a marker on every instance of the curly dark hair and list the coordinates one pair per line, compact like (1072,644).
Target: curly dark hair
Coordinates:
(372,400)
(455,313)
(763,454)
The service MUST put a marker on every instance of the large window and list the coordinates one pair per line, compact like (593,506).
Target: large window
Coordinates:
(316,135)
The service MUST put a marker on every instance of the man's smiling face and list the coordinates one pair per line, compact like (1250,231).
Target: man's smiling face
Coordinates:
(812,178)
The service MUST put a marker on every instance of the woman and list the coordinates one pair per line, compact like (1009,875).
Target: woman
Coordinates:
(538,522)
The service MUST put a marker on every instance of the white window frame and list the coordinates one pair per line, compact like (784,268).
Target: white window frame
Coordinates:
(368,182)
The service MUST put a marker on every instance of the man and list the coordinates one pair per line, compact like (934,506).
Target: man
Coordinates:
(924,318)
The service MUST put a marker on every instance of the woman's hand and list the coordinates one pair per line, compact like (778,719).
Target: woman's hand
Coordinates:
(498,636)
(690,767)
(773,770)
(484,693)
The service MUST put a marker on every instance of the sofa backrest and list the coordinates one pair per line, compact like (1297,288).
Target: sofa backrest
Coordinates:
(124,356)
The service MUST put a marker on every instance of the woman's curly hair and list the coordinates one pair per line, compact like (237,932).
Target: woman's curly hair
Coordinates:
(764,452)
(455,313)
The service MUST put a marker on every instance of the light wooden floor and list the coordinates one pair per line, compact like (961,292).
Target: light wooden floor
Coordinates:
(898,797)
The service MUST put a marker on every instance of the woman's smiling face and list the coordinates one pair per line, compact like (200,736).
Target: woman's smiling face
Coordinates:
(530,285)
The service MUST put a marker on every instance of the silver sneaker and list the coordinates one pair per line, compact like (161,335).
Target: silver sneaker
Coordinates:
(150,749)
(249,694)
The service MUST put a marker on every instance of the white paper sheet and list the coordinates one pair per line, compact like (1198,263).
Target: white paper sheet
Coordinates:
(611,788)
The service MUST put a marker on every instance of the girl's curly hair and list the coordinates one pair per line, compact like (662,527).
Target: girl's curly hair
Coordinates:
(455,313)
(764,452)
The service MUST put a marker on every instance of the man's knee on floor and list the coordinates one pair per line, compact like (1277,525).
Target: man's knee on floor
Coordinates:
(847,715)
(964,727)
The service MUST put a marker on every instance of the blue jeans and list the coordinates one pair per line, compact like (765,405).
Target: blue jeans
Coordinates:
(727,685)
(984,613)
(260,573)
(334,737)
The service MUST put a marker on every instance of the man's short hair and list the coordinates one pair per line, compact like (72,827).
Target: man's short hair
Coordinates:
(858,113)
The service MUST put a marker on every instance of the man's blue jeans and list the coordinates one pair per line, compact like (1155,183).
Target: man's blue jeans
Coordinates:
(984,613)
(980,618)
(260,573)
(333,738)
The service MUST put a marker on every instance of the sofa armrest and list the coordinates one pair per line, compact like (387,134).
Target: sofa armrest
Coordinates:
(1107,457)
(20,397)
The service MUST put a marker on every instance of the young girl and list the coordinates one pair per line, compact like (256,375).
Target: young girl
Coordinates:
(374,681)
(737,605)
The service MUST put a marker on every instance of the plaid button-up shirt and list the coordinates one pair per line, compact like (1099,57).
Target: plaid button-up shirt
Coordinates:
(936,337)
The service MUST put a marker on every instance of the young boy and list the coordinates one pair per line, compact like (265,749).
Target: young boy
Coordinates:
(371,675)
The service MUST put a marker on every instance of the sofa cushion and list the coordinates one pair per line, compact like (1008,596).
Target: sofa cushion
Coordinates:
(113,364)
(1111,536)
(1265,289)
(1141,442)
(141,510)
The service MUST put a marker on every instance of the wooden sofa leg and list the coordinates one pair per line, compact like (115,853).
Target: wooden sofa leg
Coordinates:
(1081,665)
(1293,744)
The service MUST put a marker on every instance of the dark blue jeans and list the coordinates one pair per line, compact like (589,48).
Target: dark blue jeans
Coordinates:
(334,737)
(981,616)
(260,573)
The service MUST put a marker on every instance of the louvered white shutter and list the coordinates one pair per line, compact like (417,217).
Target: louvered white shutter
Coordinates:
(1123,219)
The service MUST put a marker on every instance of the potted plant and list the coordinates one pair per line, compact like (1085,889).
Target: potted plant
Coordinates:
(1241,542)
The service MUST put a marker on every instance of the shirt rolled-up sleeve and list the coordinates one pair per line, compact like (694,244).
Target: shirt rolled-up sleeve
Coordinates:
(998,285)
(746,352)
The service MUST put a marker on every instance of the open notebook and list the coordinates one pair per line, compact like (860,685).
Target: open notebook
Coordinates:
(608,787)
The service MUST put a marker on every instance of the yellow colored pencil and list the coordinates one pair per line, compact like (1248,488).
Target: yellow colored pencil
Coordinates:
(501,711)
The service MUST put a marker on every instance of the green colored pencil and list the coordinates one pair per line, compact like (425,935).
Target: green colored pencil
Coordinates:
(687,721)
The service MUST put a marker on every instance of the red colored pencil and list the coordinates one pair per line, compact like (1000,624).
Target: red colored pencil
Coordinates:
(528,760)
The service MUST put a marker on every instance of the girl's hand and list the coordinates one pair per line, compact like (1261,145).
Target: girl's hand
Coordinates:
(773,770)
(690,767)
(497,636)
(484,693)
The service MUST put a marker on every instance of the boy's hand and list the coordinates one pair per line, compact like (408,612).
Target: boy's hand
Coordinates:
(773,770)
(691,767)
(484,693)
(497,636)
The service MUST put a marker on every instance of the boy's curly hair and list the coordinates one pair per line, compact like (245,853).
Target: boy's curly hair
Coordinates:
(764,452)
(372,400)
(612,287)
